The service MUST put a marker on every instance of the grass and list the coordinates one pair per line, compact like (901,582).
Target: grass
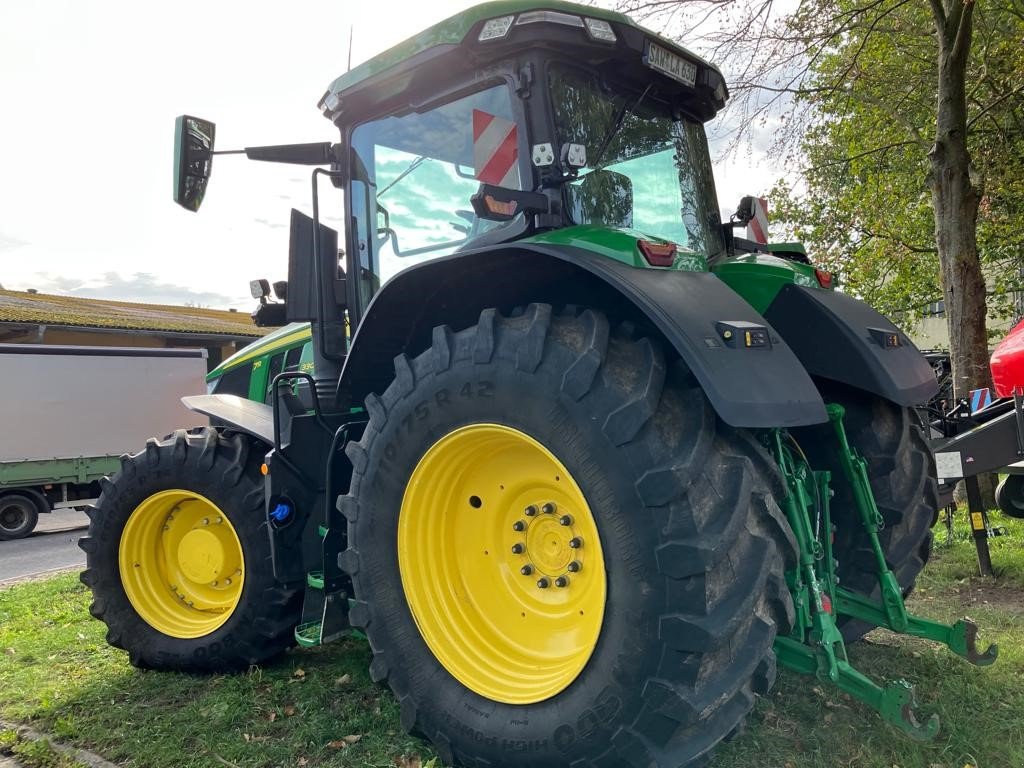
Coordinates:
(34,754)
(58,675)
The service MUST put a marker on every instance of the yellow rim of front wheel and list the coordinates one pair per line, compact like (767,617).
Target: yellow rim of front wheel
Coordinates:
(501,564)
(181,564)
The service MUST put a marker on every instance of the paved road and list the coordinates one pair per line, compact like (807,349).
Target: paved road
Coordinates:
(53,546)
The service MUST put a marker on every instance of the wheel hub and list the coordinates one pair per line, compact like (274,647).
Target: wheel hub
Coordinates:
(12,516)
(551,544)
(201,555)
(493,532)
(181,564)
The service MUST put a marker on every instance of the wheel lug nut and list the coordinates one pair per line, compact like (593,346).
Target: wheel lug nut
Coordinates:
(526,570)
(518,549)
(574,566)
(206,521)
(576,542)
(549,508)
(518,525)
(565,520)
(562,581)
(227,582)
(531,510)
(543,583)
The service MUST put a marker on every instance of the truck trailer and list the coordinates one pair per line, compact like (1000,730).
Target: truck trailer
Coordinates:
(68,413)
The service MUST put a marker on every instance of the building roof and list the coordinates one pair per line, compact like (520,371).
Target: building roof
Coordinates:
(47,309)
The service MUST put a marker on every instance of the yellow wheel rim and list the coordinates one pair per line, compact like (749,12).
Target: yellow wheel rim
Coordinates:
(501,564)
(181,564)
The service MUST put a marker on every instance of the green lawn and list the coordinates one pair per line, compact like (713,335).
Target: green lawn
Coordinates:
(58,675)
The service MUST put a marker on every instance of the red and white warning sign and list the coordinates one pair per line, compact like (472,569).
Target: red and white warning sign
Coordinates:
(495,150)
(757,227)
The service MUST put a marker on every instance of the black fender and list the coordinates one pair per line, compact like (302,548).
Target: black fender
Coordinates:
(841,338)
(760,386)
(239,413)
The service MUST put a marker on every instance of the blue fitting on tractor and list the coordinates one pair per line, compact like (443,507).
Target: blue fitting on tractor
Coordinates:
(281,513)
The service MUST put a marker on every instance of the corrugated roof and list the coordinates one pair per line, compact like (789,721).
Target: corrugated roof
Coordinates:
(47,309)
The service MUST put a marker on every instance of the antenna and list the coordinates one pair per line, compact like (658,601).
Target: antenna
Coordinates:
(350,28)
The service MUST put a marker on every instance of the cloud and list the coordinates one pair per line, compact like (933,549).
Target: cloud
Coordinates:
(10,243)
(142,287)
(269,223)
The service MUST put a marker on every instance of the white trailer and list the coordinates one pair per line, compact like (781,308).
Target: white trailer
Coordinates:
(68,413)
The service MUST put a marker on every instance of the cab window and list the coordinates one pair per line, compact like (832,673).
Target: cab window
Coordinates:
(233,382)
(414,174)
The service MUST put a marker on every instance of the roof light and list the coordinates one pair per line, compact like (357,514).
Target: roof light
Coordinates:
(550,17)
(601,30)
(493,29)
(824,278)
(658,254)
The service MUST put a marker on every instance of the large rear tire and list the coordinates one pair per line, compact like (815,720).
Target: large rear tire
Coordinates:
(651,650)
(179,557)
(902,472)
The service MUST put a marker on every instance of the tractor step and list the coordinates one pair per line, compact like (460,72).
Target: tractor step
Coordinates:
(309,635)
(315,579)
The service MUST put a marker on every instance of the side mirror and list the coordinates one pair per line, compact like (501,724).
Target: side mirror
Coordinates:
(746,210)
(193,155)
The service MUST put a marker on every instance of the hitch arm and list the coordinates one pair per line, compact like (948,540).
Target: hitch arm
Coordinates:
(895,703)
(961,638)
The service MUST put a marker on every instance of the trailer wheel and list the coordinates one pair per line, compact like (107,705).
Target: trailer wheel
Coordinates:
(179,558)
(18,516)
(903,478)
(1010,496)
(560,556)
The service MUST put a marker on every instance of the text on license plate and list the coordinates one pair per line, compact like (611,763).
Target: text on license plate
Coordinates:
(672,65)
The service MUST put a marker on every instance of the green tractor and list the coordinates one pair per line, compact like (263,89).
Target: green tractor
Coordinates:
(589,465)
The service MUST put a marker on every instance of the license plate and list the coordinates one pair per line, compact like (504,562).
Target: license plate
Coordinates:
(670,64)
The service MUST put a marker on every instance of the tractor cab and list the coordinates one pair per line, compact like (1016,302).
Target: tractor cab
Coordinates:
(513,120)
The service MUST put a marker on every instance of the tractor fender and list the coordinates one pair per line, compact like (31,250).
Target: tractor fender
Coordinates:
(759,386)
(238,413)
(841,338)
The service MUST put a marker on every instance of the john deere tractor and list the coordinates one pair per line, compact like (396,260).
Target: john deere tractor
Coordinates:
(589,466)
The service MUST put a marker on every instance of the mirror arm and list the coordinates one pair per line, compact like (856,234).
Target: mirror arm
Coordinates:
(317,153)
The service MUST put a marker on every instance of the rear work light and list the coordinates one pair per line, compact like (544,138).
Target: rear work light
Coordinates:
(494,29)
(600,30)
(658,254)
(551,17)
(824,278)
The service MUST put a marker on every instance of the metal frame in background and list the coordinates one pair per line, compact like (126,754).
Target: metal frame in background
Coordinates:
(993,440)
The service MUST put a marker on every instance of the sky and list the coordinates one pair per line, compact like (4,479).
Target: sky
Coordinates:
(89,90)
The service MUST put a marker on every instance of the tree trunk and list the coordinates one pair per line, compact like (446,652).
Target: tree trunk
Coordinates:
(955,201)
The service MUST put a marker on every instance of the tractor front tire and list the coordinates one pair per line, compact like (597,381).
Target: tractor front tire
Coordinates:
(560,555)
(178,557)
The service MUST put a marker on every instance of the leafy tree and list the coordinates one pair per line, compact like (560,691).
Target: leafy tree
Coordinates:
(908,116)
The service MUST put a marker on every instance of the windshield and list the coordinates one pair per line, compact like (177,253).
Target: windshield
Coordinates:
(414,175)
(645,170)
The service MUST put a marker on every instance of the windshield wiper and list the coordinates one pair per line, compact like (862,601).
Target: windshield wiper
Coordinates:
(613,130)
(412,167)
